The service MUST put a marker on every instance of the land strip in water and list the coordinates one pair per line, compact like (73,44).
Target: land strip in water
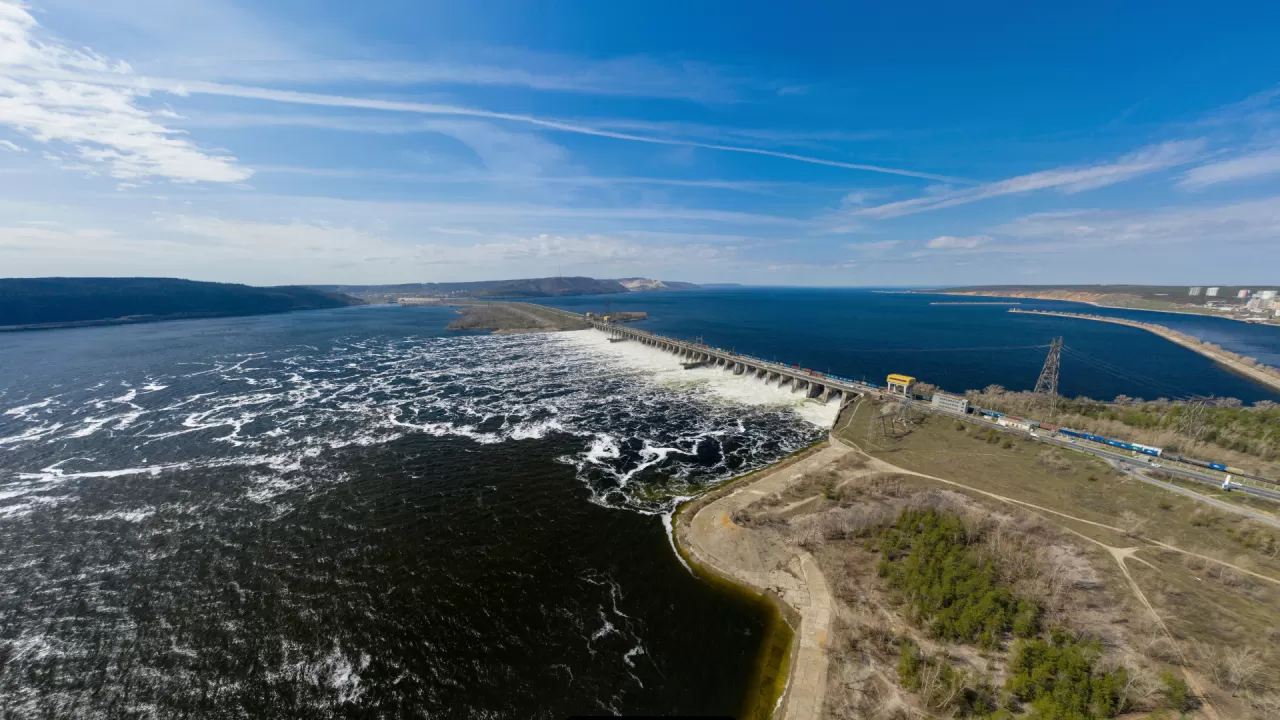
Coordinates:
(1249,367)
(1131,297)
(516,317)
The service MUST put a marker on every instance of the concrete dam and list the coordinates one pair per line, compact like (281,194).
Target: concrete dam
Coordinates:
(813,384)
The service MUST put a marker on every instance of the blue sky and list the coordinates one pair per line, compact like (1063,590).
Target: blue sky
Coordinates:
(800,144)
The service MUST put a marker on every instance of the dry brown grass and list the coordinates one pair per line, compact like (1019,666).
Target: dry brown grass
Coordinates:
(1039,559)
(1202,603)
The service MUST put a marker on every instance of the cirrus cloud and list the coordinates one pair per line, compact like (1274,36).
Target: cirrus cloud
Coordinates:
(951,242)
(101,124)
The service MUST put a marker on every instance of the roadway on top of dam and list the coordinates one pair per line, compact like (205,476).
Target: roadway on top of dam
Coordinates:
(822,386)
(813,383)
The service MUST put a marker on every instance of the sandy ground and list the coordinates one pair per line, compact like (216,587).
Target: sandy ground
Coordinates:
(788,575)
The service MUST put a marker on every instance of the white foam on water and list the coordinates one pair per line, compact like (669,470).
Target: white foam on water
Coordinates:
(664,368)
(282,412)
(53,473)
(31,434)
(22,410)
(125,515)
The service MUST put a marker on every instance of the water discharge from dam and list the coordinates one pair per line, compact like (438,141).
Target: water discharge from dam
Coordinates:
(355,512)
(324,513)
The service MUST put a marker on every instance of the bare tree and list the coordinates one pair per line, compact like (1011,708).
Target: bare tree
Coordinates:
(1242,669)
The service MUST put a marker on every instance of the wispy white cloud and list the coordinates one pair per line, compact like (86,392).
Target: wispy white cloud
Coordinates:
(952,242)
(1242,167)
(1238,223)
(798,266)
(876,248)
(1067,180)
(636,76)
(317,243)
(101,124)
(180,87)
(748,186)
(504,151)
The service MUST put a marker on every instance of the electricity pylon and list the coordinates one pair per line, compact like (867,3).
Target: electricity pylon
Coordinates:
(1047,385)
(1191,420)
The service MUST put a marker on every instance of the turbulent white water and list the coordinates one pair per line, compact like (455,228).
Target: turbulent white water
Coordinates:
(262,521)
(278,412)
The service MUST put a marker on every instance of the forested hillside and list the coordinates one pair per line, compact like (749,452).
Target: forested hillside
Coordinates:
(60,301)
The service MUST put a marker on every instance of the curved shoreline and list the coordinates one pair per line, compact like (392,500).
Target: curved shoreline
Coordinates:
(1256,374)
(1050,296)
(790,677)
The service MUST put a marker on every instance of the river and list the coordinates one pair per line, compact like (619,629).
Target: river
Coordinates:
(356,513)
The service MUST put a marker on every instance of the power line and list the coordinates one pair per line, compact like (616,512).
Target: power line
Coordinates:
(1047,383)
(969,349)
(1132,376)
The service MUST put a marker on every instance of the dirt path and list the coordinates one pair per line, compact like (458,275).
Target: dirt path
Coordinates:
(756,559)
(886,467)
(1120,555)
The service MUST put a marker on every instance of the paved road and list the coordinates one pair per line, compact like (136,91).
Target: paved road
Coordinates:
(1116,457)
(1136,472)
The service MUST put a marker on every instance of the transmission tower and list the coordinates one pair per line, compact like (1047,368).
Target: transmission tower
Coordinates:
(1047,385)
(1191,420)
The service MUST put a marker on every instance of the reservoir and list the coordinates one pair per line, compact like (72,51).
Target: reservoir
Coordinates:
(356,513)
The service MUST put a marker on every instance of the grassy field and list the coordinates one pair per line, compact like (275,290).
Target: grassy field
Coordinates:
(1208,608)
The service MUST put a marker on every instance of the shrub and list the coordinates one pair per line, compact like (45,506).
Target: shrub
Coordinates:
(1006,444)
(950,587)
(1058,678)
(1174,690)
(1164,505)
(941,686)
(1053,460)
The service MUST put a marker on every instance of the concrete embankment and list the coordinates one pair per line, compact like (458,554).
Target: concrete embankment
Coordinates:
(786,575)
(1260,373)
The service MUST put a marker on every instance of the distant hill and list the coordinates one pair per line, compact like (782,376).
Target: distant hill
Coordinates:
(59,302)
(638,284)
(524,288)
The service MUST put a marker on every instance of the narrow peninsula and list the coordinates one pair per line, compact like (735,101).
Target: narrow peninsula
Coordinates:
(1247,366)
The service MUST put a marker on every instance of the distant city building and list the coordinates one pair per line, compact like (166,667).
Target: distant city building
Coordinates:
(1242,294)
(950,403)
(1211,292)
(1267,294)
(1194,291)
(1261,304)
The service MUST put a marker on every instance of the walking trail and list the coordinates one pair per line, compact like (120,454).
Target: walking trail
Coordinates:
(791,577)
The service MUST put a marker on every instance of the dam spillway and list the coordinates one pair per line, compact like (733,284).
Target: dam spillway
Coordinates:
(813,384)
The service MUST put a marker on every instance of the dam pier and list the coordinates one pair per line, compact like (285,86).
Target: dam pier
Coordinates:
(813,384)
